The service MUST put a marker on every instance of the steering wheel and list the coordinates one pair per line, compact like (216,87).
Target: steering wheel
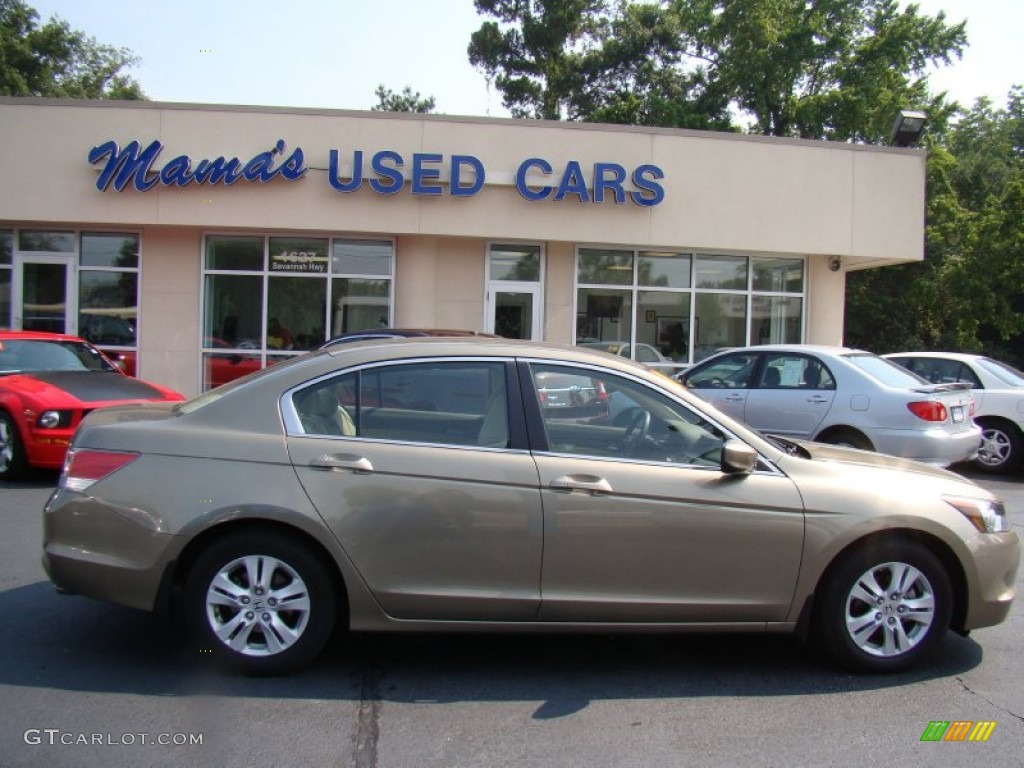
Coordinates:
(717,383)
(637,429)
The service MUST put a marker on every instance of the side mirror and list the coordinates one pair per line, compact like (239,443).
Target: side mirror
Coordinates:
(738,458)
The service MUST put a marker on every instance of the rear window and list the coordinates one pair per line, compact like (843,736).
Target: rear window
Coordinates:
(885,371)
(1003,372)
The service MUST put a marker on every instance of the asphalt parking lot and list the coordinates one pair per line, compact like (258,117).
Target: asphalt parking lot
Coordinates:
(89,684)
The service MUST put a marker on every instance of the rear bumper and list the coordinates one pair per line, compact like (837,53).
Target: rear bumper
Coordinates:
(110,554)
(931,446)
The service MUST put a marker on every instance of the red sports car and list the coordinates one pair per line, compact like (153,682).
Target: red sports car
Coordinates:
(48,383)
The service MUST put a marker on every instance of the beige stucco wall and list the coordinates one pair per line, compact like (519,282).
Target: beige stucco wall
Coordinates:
(722,191)
(169,311)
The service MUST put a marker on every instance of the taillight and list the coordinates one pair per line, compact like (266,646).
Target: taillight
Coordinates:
(84,466)
(929,410)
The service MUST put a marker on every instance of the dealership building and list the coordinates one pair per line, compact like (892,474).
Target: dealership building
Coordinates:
(199,242)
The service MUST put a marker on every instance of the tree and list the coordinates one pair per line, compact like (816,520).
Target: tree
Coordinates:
(828,69)
(968,294)
(406,101)
(55,60)
(535,59)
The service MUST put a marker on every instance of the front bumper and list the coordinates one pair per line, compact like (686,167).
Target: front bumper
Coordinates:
(993,584)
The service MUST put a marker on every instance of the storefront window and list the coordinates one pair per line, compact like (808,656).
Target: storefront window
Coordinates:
(681,307)
(269,298)
(775,320)
(359,304)
(779,275)
(601,267)
(6,260)
(108,294)
(50,242)
(515,263)
(603,315)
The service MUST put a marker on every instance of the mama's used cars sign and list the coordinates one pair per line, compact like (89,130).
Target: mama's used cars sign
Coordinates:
(385,172)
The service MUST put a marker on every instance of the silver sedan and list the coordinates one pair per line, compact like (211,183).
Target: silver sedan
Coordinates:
(840,396)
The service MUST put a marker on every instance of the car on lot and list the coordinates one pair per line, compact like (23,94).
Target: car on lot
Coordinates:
(421,485)
(840,396)
(998,391)
(48,383)
(642,353)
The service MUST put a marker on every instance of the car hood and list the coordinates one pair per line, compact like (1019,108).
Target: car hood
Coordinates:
(59,389)
(869,461)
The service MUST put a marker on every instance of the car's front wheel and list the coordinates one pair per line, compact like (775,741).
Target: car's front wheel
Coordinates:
(884,606)
(264,604)
(13,463)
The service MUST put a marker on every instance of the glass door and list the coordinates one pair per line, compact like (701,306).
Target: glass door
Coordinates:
(514,311)
(44,293)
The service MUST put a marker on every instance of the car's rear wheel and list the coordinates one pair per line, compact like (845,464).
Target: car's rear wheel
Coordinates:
(13,463)
(261,603)
(884,606)
(1000,449)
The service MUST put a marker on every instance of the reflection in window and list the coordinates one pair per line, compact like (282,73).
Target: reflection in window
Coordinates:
(597,414)
(108,294)
(721,322)
(604,315)
(268,298)
(776,320)
(6,273)
(686,306)
(605,267)
(59,242)
(718,271)
(515,263)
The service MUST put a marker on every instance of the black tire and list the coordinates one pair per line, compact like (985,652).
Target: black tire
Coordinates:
(889,636)
(848,438)
(1000,447)
(13,462)
(269,638)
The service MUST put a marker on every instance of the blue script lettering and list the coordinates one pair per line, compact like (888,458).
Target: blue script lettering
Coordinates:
(134,165)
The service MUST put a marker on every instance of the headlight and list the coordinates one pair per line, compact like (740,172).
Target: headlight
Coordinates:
(987,515)
(49,419)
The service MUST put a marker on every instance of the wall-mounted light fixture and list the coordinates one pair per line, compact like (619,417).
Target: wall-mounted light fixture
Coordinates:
(908,128)
(835,263)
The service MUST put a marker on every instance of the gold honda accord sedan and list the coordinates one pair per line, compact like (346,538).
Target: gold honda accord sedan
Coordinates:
(492,485)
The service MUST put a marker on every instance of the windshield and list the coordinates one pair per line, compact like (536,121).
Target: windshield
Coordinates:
(885,371)
(1005,373)
(37,355)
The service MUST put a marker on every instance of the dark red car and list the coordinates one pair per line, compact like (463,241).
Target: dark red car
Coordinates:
(48,382)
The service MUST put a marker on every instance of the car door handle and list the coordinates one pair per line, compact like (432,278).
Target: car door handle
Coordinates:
(358,464)
(589,483)
(735,398)
(817,399)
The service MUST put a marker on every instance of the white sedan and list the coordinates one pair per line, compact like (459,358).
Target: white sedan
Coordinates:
(998,391)
(841,396)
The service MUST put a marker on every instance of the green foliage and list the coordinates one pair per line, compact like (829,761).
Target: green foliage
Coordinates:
(55,60)
(406,101)
(535,60)
(968,294)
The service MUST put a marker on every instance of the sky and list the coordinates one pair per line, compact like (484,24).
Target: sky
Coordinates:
(333,54)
